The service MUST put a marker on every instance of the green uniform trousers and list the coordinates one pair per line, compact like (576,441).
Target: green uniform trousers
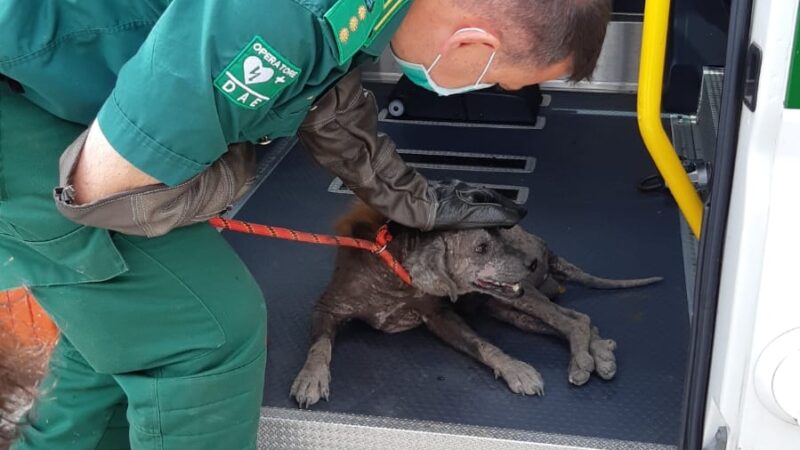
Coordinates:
(163,340)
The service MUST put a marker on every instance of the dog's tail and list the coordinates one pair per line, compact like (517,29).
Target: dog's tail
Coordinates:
(362,221)
(563,270)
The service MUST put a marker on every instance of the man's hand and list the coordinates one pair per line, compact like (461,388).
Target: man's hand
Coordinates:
(102,172)
(460,205)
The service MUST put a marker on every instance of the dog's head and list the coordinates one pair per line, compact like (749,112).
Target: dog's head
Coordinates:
(535,249)
(453,263)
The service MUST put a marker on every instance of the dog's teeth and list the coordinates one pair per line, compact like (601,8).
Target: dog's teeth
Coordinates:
(516,287)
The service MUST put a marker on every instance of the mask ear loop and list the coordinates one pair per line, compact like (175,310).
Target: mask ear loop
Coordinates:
(435,62)
(486,69)
(480,77)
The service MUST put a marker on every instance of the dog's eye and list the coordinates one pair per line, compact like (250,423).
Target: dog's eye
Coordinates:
(481,249)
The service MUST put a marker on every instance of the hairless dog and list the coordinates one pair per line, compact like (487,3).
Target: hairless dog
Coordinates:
(509,273)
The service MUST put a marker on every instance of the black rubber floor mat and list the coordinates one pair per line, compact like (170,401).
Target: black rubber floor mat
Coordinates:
(584,203)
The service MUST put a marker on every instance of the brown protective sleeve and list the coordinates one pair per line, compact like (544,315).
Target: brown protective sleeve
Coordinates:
(341,133)
(155,210)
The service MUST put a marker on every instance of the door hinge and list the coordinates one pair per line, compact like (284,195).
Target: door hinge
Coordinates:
(720,441)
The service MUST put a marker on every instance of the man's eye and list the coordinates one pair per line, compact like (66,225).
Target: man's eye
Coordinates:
(482,249)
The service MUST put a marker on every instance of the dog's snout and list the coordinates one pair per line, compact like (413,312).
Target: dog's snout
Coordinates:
(534,265)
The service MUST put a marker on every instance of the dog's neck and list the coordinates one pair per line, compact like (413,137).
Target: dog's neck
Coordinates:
(405,247)
(405,244)
(405,241)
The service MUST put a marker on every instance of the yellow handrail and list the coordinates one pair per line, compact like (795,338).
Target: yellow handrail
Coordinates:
(651,79)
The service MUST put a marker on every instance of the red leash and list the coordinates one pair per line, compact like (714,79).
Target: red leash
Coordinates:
(382,240)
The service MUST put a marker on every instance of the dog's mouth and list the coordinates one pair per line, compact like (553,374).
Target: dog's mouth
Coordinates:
(494,287)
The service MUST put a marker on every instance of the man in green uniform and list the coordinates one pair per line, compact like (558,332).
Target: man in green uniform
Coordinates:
(163,331)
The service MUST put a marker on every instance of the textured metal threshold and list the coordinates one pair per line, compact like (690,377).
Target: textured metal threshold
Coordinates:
(294,429)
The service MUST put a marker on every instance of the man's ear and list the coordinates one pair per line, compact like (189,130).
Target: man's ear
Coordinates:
(471,36)
(427,266)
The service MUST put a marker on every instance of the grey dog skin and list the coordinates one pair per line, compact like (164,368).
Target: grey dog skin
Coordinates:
(482,268)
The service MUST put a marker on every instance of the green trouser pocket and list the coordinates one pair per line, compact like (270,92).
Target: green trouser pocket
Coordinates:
(203,412)
(39,247)
(84,255)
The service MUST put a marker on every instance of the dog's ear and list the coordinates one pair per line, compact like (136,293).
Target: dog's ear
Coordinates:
(427,266)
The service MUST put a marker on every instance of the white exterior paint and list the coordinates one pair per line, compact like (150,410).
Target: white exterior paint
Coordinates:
(759,300)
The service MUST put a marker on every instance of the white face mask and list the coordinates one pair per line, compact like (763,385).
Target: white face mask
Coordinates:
(421,76)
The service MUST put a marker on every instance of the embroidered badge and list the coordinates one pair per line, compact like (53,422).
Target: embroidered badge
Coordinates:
(351,22)
(257,75)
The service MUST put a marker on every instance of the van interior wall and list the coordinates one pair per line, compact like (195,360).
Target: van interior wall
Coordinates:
(698,38)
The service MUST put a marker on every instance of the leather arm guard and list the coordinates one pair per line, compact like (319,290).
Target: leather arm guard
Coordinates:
(155,210)
(341,134)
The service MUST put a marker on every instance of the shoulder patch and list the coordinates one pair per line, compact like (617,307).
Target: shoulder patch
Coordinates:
(352,22)
(257,75)
(390,9)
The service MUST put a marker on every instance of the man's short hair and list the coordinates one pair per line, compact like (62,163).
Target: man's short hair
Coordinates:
(553,30)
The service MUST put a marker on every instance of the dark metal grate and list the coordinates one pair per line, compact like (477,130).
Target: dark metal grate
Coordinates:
(482,162)
(518,194)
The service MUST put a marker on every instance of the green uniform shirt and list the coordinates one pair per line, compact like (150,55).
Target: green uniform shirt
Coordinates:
(172,83)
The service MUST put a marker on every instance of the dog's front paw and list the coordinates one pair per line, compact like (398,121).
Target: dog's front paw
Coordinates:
(605,362)
(311,385)
(521,377)
(580,368)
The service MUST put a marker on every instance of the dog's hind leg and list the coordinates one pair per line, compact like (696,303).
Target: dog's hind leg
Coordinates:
(313,381)
(451,328)
(602,350)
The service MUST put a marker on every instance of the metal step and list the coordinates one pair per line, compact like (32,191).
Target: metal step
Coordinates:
(695,137)
(292,429)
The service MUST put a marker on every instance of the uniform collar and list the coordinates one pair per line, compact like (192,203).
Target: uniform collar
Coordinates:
(394,11)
